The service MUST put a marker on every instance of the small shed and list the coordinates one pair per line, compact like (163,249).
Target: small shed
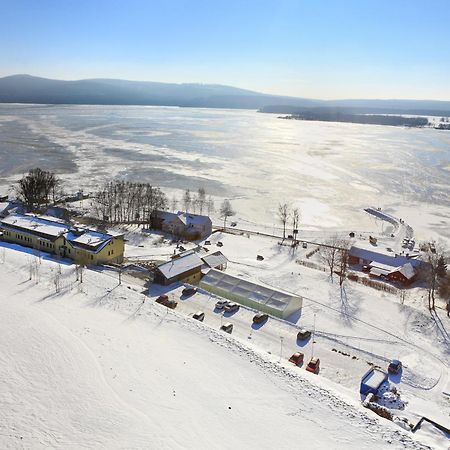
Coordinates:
(371,381)
(185,268)
(216,260)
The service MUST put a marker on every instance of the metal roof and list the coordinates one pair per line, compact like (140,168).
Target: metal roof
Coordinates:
(180,265)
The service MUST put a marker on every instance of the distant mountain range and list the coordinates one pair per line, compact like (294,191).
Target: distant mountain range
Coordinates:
(29,89)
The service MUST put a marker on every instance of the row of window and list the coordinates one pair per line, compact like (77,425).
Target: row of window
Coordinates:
(111,252)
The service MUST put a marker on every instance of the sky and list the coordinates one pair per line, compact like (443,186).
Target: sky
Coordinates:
(325,49)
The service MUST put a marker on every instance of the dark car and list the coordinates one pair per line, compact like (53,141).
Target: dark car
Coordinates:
(305,245)
(199,315)
(162,299)
(303,334)
(260,317)
(227,327)
(189,291)
(313,365)
(219,244)
(231,307)
(297,358)
(395,366)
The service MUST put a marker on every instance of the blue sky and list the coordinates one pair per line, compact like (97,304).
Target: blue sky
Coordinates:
(320,49)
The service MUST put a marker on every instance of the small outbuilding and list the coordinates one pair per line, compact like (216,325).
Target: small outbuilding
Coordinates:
(372,381)
(216,260)
(185,268)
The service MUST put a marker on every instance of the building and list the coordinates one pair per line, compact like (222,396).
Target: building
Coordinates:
(405,274)
(372,381)
(261,298)
(51,235)
(380,255)
(186,268)
(216,260)
(184,225)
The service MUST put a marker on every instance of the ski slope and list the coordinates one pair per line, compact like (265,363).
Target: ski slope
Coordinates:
(99,365)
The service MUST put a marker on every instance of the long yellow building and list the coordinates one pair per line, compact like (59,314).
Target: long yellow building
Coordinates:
(51,235)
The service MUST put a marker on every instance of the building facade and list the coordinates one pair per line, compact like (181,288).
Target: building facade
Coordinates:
(50,235)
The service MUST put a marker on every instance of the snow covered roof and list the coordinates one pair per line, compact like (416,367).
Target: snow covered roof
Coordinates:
(379,272)
(193,219)
(380,255)
(260,294)
(407,270)
(47,226)
(89,238)
(374,378)
(215,259)
(180,265)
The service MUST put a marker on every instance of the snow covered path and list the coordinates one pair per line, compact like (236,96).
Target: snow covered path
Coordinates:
(79,371)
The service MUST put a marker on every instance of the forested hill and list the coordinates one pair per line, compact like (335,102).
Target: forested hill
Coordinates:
(30,89)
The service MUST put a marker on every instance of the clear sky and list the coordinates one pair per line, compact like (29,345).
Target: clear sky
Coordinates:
(314,48)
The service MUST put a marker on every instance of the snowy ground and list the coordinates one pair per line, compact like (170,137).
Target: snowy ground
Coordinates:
(99,365)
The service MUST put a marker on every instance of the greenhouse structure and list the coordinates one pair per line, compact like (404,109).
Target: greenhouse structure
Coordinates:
(261,298)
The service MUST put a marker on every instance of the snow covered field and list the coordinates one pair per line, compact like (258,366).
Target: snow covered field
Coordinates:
(99,365)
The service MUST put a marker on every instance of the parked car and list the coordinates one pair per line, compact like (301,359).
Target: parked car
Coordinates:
(303,334)
(219,244)
(290,236)
(199,315)
(297,358)
(189,291)
(395,366)
(207,242)
(227,327)
(231,307)
(305,245)
(162,299)
(221,304)
(260,257)
(260,317)
(172,304)
(313,365)
(233,224)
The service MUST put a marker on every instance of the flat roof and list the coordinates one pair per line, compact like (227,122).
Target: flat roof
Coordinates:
(374,378)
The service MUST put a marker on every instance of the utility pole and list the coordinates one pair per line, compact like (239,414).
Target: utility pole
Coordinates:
(313,336)
(281,347)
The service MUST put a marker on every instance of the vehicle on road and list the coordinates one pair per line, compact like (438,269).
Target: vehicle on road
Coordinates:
(297,358)
(305,245)
(303,334)
(260,317)
(231,307)
(221,304)
(395,366)
(227,327)
(189,291)
(162,299)
(313,365)
(199,315)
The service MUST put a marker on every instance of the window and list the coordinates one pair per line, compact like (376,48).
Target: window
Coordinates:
(92,256)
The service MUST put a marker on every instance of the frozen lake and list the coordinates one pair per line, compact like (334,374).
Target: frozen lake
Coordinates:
(329,170)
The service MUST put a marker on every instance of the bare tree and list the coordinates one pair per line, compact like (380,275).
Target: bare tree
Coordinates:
(295,222)
(342,261)
(329,253)
(201,199)
(283,215)
(434,271)
(35,188)
(226,210)
(187,200)
(174,204)
(210,205)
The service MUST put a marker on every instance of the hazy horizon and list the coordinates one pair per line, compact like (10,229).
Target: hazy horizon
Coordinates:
(332,50)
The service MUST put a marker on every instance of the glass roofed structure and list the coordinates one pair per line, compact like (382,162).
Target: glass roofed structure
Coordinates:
(261,298)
